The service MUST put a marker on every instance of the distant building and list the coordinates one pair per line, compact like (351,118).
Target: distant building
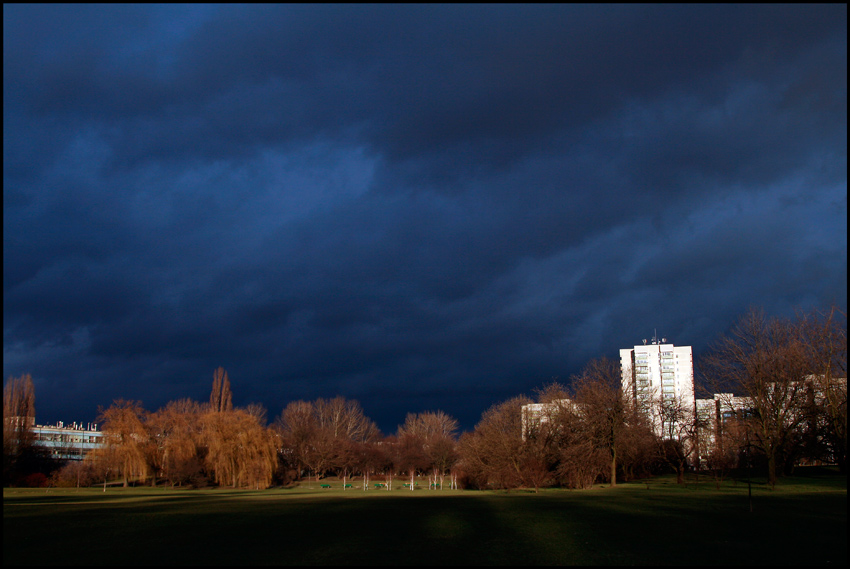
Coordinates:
(659,377)
(536,414)
(67,442)
(715,414)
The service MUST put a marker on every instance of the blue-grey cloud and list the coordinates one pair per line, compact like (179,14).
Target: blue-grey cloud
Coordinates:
(416,206)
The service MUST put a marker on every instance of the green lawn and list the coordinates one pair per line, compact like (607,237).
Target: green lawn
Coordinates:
(802,521)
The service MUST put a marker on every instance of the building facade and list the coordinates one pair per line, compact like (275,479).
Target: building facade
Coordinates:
(67,442)
(536,414)
(659,378)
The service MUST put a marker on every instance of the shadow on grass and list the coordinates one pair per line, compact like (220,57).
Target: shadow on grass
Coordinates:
(802,523)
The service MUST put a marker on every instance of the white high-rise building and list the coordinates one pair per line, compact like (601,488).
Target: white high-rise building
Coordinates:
(660,378)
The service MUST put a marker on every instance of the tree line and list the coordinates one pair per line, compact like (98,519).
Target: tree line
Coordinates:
(788,375)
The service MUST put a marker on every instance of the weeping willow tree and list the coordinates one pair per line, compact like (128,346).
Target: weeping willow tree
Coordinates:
(126,437)
(241,451)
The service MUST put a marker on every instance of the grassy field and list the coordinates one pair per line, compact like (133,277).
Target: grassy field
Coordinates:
(802,521)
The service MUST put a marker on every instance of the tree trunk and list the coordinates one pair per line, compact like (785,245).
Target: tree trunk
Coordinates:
(771,469)
(613,467)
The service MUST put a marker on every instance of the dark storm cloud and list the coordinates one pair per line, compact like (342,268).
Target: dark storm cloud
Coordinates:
(419,80)
(416,206)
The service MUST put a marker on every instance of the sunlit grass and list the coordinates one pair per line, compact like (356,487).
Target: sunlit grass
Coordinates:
(802,521)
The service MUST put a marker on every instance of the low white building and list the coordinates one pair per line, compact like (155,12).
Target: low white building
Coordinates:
(536,414)
(68,442)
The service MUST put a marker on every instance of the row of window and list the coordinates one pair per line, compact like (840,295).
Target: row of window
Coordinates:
(55,437)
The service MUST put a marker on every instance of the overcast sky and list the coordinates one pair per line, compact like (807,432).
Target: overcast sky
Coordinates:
(417,207)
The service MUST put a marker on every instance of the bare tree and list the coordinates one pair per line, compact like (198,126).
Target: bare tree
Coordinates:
(538,458)
(385,458)
(346,458)
(680,426)
(721,441)
(436,432)
(442,455)
(768,360)
(344,419)
(826,334)
(75,473)
(298,428)
(410,455)
(103,462)
(320,435)
(368,459)
(492,454)
(430,425)
(580,463)
(18,420)
(258,411)
(606,414)
(18,402)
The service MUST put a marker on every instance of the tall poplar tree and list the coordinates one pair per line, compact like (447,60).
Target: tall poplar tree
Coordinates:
(221,398)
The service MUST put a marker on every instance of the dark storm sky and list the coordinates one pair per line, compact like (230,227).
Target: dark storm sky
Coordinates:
(418,207)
